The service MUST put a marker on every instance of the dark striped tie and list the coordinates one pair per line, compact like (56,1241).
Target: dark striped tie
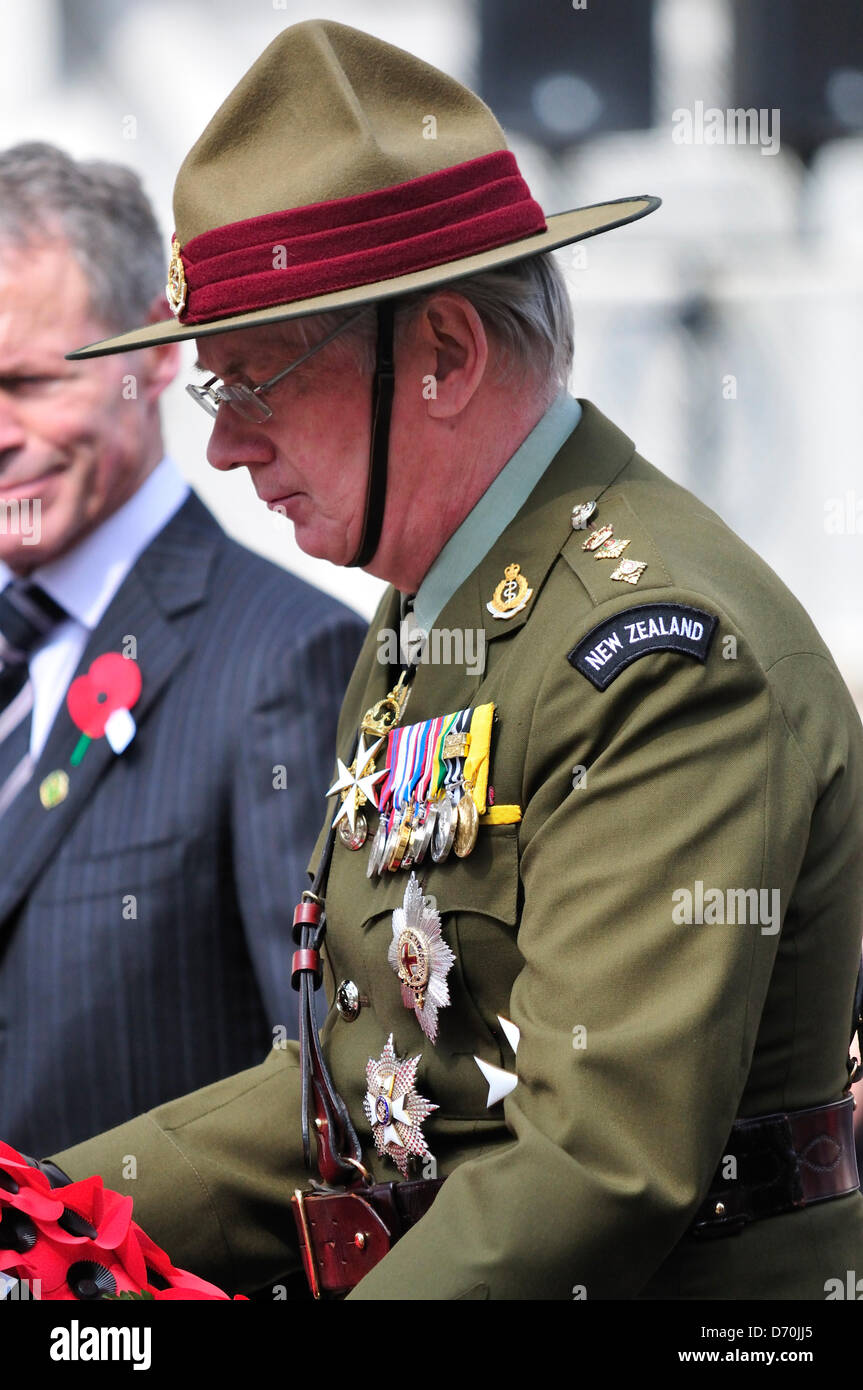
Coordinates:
(27,617)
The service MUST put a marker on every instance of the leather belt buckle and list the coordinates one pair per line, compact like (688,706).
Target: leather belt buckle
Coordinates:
(341,1237)
(343,1234)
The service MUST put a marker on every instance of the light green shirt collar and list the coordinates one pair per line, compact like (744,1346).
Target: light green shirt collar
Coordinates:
(495,509)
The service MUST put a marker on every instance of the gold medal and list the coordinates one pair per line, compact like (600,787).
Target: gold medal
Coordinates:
(467,825)
(511,595)
(402,840)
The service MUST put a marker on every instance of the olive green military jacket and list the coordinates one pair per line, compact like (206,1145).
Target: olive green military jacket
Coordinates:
(657,759)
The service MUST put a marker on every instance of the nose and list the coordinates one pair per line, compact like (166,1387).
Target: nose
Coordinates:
(235,442)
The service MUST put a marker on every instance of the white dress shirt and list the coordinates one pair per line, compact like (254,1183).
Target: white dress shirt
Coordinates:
(86,579)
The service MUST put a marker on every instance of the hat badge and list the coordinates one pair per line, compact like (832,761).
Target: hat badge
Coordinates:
(176,288)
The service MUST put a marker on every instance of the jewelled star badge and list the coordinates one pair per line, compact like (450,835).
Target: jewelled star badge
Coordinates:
(421,958)
(394,1109)
(356,784)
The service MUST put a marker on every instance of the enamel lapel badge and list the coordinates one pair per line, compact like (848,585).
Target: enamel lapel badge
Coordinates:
(100,703)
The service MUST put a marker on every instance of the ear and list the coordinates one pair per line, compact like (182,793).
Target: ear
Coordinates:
(453,341)
(158,365)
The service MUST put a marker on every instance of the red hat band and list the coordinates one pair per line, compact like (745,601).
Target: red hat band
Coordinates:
(283,256)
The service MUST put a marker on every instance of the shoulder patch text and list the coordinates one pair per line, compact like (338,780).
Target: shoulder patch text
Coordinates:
(613,645)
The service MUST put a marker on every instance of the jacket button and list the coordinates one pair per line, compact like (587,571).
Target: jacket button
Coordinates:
(348,1000)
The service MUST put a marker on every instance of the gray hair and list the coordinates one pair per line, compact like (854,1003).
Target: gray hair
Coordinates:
(526,310)
(102,211)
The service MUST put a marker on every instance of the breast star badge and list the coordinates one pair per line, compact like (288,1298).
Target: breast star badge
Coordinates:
(511,595)
(421,958)
(394,1109)
(356,784)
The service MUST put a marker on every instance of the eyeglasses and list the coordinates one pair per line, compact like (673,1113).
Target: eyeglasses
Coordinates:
(247,400)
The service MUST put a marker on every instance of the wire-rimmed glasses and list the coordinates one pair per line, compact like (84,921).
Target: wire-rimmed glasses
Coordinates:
(247,400)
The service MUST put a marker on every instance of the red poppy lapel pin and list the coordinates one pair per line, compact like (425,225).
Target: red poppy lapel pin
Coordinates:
(100,703)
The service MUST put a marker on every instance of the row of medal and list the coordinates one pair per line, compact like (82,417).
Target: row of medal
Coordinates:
(425,797)
(430,793)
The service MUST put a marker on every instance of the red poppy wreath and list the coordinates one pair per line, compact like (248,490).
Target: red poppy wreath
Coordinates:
(79,1241)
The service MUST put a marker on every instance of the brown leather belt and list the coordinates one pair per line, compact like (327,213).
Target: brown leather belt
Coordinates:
(344,1234)
(772,1164)
(779,1163)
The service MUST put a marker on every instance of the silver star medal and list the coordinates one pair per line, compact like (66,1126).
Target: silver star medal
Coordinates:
(421,958)
(357,787)
(394,1109)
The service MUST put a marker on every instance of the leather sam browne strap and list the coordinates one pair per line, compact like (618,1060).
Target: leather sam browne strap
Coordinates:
(339,1151)
(343,1235)
(780,1163)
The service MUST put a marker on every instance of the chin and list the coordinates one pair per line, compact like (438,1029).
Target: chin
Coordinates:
(321,547)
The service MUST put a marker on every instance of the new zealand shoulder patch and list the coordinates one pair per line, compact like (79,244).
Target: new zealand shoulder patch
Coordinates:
(613,645)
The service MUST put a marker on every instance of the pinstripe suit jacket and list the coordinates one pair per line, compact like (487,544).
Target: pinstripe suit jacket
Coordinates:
(145,923)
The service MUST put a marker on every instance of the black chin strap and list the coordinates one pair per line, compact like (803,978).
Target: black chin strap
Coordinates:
(382,400)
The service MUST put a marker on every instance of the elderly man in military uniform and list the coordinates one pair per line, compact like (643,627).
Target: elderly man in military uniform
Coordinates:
(588,916)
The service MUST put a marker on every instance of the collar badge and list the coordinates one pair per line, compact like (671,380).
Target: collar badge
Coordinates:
(511,595)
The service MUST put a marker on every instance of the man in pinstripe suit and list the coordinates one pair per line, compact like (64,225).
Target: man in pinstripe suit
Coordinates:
(146,886)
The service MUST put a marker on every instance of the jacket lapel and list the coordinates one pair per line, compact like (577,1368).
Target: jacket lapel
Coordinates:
(170,577)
